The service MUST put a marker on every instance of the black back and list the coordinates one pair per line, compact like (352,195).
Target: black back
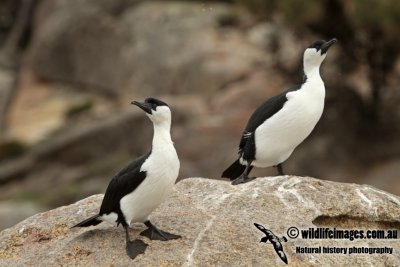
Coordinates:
(247,148)
(123,183)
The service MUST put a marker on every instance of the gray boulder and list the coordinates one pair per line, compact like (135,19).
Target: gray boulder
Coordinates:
(151,47)
(216,222)
(79,43)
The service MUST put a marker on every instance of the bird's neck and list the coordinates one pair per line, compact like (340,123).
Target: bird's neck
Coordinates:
(312,73)
(313,83)
(162,135)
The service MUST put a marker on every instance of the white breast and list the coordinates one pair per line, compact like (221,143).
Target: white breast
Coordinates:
(162,168)
(277,137)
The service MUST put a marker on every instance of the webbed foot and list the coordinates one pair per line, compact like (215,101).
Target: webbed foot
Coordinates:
(135,248)
(242,179)
(153,233)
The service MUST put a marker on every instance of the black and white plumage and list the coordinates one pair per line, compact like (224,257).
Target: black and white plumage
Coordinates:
(274,240)
(279,125)
(139,188)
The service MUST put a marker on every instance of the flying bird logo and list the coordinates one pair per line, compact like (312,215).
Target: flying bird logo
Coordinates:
(274,240)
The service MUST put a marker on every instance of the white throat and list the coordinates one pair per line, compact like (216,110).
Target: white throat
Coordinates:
(312,61)
(314,83)
(312,71)
(162,135)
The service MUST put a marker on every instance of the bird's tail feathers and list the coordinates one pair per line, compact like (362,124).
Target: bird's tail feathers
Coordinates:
(94,220)
(234,171)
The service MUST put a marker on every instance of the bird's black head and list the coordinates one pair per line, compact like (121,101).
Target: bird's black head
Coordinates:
(150,104)
(157,110)
(315,55)
(322,45)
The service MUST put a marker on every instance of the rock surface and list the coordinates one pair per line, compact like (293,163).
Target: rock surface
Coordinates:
(216,222)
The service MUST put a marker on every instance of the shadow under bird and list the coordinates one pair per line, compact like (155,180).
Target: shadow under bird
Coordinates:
(140,187)
(274,240)
(279,125)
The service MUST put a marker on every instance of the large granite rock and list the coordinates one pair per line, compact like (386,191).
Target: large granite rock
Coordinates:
(216,222)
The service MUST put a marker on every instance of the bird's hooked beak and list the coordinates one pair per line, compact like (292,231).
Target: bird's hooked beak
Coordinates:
(145,106)
(326,45)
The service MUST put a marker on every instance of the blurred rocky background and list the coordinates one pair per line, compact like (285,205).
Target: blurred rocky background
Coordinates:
(69,69)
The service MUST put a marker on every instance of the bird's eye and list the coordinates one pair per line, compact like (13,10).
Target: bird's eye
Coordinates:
(317,45)
(153,105)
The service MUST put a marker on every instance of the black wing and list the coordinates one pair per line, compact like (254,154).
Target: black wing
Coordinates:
(261,114)
(266,231)
(279,250)
(274,240)
(123,183)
